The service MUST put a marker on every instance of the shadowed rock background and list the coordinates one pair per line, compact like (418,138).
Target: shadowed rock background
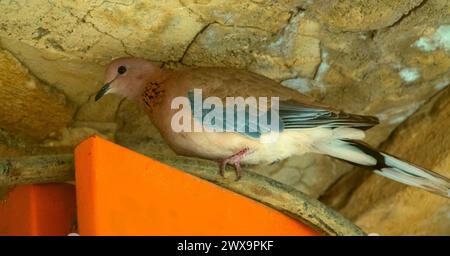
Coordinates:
(385,58)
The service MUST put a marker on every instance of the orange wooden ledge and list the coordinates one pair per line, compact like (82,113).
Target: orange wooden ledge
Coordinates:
(38,210)
(120,192)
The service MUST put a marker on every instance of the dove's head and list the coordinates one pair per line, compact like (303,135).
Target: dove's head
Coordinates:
(128,77)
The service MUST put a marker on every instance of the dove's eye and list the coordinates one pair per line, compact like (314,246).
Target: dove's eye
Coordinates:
(121,70)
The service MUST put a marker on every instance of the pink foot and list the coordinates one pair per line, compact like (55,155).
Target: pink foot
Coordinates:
(234,160)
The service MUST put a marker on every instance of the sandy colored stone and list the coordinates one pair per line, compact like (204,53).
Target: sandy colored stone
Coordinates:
(146,27)
(257,14)
(72,136)
(103,28)
(135,130)
(29,109)
(299,45)
(220,45)
(101,111)
(289,53)
(78,78)
(360,15)
(305,58)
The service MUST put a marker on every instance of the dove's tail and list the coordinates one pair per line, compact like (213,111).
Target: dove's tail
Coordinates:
(386,165)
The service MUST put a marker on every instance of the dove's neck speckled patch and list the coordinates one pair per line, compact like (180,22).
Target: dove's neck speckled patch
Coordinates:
(152,96)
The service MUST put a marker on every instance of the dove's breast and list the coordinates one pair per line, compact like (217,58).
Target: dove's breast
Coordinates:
(222,145)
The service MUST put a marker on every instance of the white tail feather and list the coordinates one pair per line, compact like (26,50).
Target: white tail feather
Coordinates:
(410,174)
(342,150)
(386,165)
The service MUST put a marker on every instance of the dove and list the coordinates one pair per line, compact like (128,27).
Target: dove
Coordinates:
(293,124)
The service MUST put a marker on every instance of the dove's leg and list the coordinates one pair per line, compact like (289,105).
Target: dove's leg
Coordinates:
(234,160)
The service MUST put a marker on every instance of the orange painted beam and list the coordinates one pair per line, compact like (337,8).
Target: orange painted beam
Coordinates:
(38,210)
(120,192)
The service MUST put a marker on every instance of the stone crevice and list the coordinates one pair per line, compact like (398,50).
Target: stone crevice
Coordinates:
(204,20)
(193,41)
(87,14)
(422,3)
(125,48)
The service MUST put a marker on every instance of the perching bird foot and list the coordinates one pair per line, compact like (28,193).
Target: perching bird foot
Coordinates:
(233,160)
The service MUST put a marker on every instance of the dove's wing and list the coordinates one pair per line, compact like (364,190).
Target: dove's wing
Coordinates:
(289,115)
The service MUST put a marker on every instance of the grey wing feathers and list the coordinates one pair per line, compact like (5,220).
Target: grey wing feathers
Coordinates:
(251,126)
(290,116)
(295,116)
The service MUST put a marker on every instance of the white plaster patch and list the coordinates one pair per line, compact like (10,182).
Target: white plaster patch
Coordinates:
(363,35)
(403,116)
(442,85)
(285,42)
(409,74)
(399,114)
(323,67)
(300,84)
(227,17)
(439,39)
(425,44)
(442,37)
(277,44)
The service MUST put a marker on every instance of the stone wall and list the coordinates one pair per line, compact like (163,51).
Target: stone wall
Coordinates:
(384,58)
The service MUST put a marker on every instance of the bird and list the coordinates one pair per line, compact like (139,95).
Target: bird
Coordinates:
(301,124)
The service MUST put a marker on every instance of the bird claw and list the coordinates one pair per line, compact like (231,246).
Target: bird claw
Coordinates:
(234,160)
(222,166)
(237,170)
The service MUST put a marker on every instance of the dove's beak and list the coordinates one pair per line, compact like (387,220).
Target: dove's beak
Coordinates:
(105,88)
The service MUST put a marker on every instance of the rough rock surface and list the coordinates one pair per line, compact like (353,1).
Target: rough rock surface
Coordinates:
(389,208)
(362,15)
(384,58)
(29,109)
